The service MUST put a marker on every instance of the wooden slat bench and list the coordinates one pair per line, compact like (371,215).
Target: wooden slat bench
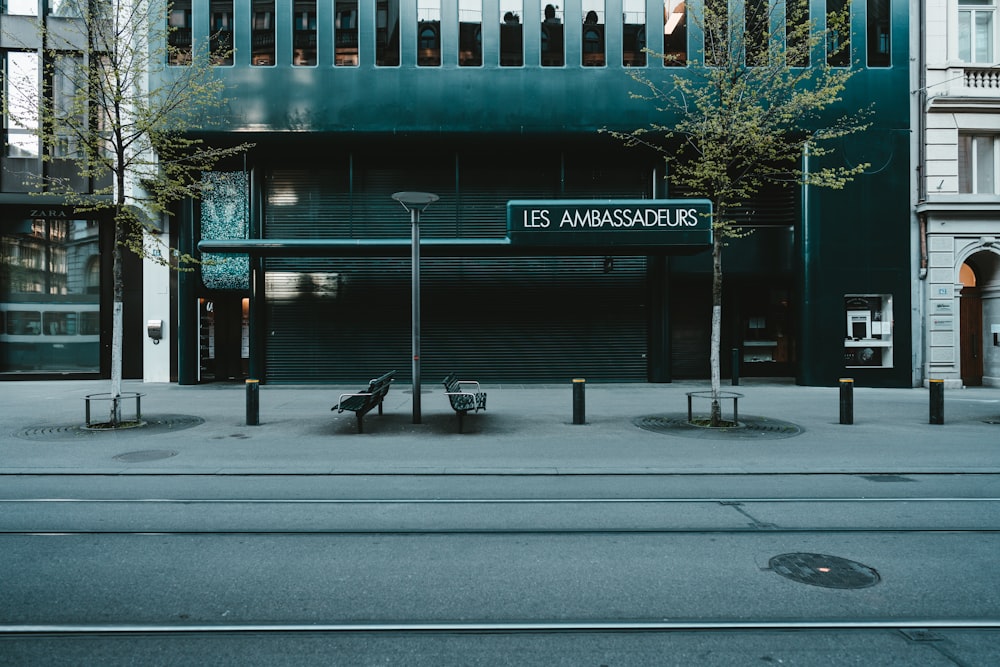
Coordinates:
(464,395)
(366,399)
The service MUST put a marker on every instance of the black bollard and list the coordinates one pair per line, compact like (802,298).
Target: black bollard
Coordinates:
(846,400)
(579,402)
(736,366)
(253,402)
(937,401)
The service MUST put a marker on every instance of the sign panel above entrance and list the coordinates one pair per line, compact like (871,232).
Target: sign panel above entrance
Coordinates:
(610,223)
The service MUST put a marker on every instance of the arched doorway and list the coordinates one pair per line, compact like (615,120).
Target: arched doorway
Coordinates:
(979,319)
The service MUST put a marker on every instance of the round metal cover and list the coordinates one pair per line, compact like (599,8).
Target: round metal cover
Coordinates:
(823,570)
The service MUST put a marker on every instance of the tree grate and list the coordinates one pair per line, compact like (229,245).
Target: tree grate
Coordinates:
(749,427)
(156,424)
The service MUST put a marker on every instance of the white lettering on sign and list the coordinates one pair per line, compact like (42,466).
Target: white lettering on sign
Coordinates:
(615,218)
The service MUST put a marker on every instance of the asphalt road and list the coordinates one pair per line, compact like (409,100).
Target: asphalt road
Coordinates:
(500,569)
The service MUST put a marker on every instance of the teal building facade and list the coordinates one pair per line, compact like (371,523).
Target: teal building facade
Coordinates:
(486,102)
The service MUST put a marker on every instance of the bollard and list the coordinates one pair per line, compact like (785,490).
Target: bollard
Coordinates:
(253,402)
(937,401)
(846,400)
(736,366)
(579,402)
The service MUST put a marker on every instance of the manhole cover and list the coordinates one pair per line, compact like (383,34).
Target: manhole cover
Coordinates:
(823,570)
(750,427)
(145,455)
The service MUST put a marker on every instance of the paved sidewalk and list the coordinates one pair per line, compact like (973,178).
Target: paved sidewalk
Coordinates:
(527,429)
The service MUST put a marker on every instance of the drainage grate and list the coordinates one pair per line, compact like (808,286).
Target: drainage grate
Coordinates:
(749,428)
(145,455)
(823,570)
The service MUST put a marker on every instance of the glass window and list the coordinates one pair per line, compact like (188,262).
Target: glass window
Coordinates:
(470,33)
(975,31)
(345,33)
(67,7)
(21,82)
(553,51)
(756,30)
(675,33)
(304,40)
(593,33)
(511,33)
(387,33)
(51,321)
(838,33)
(221,31)
(977,164)
(69,105)
(878,33)
(797,30)
(262,36)
(22,7)
(633,33)
(179,33)
(429,33)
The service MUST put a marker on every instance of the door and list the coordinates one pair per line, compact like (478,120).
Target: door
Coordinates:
(971,336)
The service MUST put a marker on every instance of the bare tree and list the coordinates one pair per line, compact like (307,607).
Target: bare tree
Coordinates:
(129,132)
(748,114)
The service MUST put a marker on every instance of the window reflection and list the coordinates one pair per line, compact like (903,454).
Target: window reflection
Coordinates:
(633,33)
(222,32)
(304,39)
(675,34)
(553,53)
(179,33)
(470,33)
(593,33)
(262,40)
(511,33)
(838,35)
(428,33)
(345,33)
(387,33)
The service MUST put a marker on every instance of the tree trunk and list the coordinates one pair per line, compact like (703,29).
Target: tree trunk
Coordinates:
(716,416)
(115,417)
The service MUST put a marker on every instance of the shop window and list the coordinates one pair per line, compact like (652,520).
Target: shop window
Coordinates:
(221,38)
(21,120)
(429,33)
(304,37)
(387,33)
(179,48)
(838,33)
(593,33)
(766,330)
(976,31)
(868,339)
(511,33)
(878,33)
(262,33)
(553,51)
(977,163)
(345,33)
(633,33)
(470,33)
(797,29)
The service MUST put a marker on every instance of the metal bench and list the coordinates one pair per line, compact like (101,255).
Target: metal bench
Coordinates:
(464,395)
(361,402)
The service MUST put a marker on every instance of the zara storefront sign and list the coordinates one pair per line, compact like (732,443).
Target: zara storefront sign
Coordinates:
(610,222)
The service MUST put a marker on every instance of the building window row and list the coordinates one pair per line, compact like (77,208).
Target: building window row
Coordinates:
(757,19)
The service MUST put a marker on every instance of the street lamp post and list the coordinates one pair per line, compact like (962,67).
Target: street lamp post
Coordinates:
(415,203)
